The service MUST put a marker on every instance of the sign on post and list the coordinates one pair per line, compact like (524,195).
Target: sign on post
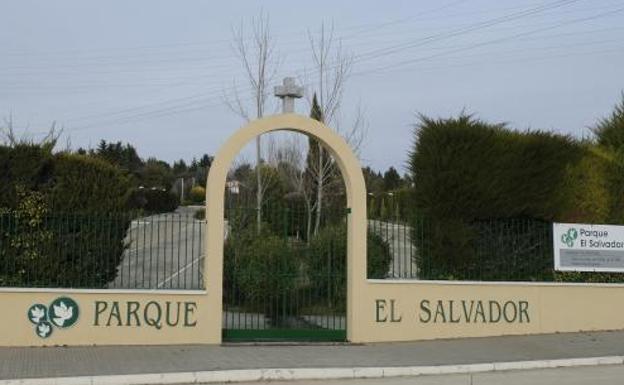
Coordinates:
(585,247)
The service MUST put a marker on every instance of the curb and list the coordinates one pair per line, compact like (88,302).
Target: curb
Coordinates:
(247,375)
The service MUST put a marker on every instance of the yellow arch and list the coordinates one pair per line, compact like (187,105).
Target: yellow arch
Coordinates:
(356,201)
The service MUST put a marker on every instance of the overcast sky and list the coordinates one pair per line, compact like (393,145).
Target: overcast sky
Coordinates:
(153,73)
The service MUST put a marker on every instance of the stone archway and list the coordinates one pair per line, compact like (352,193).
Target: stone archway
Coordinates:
(356,202)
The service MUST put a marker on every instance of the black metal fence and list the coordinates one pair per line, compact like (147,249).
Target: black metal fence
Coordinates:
(512,249)
(489,250)
(112,250)
(165,251)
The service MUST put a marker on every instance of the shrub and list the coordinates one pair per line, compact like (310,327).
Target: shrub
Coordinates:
(266,269)
(287,218)
(26,165)
(153,200)
(83,184)
(379,257)
(610,131)
(616,186)
(200,214)
(25,241)
(197,194)
(326,262)
(496,249)
(588,184)
(261,269)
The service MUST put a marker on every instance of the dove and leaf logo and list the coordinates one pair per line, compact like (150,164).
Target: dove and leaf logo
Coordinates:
(569,237)
(61,313)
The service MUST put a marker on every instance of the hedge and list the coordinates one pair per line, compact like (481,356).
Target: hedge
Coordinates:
(83,184)
(63,218)
(475,182)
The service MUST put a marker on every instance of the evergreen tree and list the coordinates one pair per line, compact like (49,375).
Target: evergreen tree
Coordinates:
(374,180)
(124,156)
(610,131)
(391,179)
(180,168)
(206,161)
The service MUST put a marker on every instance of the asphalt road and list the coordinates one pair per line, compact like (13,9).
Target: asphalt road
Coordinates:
(399,239)
(594,375)
(165,251)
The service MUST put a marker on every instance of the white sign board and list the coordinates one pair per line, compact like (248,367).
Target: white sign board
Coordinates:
(585,247)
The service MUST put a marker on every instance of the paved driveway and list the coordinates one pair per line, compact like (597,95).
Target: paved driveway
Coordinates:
(402,249)
(165,251)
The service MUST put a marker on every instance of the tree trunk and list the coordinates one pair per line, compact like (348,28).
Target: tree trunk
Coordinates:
(319,189)
(259,191)
(309,221)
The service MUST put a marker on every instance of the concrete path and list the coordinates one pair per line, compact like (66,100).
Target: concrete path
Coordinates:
(402,249)
(235,362)
(165,251)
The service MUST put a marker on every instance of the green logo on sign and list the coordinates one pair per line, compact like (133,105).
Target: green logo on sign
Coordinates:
(569,237)
(63,312)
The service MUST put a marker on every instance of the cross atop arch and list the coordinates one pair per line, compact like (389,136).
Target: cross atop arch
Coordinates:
(288,92)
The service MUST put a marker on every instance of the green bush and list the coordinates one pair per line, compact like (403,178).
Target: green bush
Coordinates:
(491,250)
(197,194)
(200,214)
(26,165)
(261,269)
(326,259)
(379,257)
(287,218)
(25,241)
(616,186)
(153,200)
(609,131)
(267,269)
(83,184)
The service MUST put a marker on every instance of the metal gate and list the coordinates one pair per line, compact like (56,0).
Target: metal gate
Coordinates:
(284,276)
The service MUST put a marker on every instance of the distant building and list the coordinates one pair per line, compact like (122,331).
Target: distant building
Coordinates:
(233,186)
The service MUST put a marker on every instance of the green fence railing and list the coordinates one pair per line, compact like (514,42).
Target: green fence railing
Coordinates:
(511,249)
(165,251)
(110,250)
(490,250)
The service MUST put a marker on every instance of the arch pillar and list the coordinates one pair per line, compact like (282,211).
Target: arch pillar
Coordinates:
(356,220)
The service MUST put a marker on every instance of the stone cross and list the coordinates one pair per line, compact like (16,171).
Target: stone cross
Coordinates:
(288,92)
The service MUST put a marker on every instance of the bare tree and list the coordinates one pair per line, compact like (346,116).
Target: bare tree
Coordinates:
(331,69)
(48,142)
(257,56)
(291,165)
